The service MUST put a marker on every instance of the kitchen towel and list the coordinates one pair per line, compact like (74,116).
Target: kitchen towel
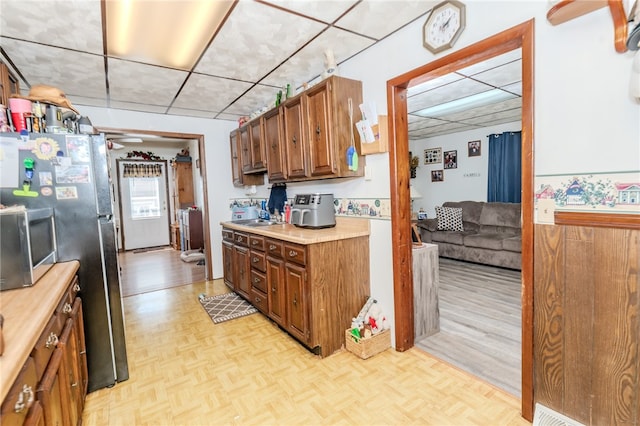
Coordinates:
(277,197)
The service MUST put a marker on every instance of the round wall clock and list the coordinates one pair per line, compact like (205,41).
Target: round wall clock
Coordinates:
(444,25)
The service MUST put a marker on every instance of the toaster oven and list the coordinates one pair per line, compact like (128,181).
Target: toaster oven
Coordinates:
(27,246)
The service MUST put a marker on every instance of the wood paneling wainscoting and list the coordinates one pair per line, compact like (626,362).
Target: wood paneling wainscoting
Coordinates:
(586,322)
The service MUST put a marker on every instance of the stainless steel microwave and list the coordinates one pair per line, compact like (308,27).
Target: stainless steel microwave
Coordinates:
(27,246)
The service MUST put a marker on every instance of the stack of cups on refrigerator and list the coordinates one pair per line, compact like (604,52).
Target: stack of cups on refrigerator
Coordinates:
(20,111)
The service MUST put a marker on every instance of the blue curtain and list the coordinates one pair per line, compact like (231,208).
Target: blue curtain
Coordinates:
(504,176)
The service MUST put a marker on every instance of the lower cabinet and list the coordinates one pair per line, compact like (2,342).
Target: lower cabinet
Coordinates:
(52,386)
(312,291)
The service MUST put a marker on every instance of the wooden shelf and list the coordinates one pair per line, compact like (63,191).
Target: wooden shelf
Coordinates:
(567,10)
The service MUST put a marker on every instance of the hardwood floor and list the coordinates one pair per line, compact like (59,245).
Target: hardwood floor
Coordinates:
(157,269)
(480,322)
(184,370)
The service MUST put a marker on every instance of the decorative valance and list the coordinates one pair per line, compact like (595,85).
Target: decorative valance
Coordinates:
(141,170)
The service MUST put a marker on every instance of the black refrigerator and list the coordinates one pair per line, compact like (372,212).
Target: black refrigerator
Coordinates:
(70,172)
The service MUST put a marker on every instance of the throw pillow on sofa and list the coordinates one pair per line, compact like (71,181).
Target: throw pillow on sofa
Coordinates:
(449,218)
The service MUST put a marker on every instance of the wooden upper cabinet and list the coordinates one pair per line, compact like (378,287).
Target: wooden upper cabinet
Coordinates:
(183,181)
(245,150)
(274,146)
(239,178)
(321,153)
(295,138)
(258,156)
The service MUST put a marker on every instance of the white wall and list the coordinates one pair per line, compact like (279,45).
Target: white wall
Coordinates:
(466,182)
(584,116)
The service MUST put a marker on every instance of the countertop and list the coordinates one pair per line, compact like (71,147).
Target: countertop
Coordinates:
(346,227)
(26,312)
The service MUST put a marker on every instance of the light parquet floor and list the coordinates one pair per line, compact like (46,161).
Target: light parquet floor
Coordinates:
(184,370)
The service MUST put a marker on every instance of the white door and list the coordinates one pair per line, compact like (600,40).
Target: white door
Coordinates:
(145,216)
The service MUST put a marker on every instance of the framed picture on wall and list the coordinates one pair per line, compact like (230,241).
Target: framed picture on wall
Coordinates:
(451,159)
(437,175)
(433,156)
(474,148)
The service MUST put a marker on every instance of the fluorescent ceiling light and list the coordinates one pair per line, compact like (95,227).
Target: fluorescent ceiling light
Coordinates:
(168,33)
(127,140)
(463,104)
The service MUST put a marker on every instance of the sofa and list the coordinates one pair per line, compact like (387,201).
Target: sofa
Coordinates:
(476,231)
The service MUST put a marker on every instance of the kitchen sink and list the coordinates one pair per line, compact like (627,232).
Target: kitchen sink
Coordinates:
(253,222)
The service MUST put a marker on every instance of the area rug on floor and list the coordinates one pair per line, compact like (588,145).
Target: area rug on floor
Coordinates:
(225,307)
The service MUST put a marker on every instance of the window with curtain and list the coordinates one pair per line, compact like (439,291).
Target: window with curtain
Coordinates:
(505,169)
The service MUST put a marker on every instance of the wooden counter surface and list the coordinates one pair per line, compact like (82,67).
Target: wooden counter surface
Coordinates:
(26,312)
(345,228)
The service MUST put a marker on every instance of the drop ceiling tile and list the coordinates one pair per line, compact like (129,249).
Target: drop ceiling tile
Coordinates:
(496,61)
(79,101)
(72,24)
(72,72)
(309,62)
(260,97)
(378,19)
(228,117)
(325,11)
(500,76)
(432,84)
(509,115)
(442,94)
(484,110)
(206,93)
(255,40)
(139,83)
(514,88)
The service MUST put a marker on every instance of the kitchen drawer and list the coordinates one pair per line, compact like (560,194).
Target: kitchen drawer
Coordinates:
(275,248)
(227,235)
(47,343)
(258,261)
(241,239)
(259,281)
(259,300)
(20,398)
(256,242)
(295,253)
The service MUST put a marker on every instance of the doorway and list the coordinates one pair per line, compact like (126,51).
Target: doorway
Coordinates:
(520,36)
(144,213)
(157,136)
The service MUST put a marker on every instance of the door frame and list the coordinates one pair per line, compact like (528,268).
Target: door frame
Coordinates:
(520,36)
(119,178)
(203,174)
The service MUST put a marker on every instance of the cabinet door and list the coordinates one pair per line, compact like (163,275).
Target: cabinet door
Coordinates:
(276,290)
(242,264)
(51,393)
(78,319)
(183,180)
(297,317)
(71,384)
(19,400)
(236,166)
(294,138)
(245,149)
(227,261)
(276,154)
(257,146)
(321,155)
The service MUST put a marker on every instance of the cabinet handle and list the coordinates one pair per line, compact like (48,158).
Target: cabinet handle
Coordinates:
(52,340)
(73,385)
(255,243)
(293,253)
(258,300)
(295,299)
(294,140)
(273,289)
(76,287)
(239,239)
(318,130)
(256,280)
(67,308)
(272,247)
(21,404)
(255,260)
